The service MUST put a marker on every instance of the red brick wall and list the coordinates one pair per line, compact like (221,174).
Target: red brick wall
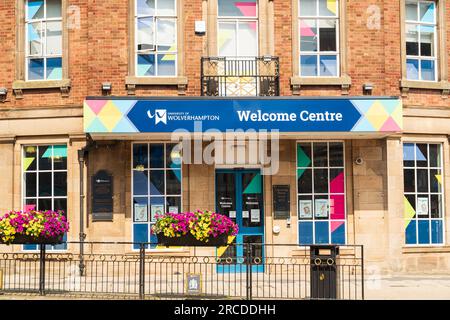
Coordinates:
(98,52)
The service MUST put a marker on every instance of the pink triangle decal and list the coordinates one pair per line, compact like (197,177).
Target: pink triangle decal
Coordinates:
(96,105)
(337,184)
(306,30)
(248,9)
(390,125)
(335,225)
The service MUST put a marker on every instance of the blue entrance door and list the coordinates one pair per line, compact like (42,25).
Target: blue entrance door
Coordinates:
(239,195)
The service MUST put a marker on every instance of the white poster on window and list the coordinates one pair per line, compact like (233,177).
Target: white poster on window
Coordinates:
(140,212)
(232,214)
(157,209)
(245,214)
(254,215)
(321,208)
(305,207)
(422,206)
(173,209)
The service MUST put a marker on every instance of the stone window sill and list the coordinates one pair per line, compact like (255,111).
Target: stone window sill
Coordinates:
(444,86)
(132,81)
(426,249)
(20,85)
(344,82)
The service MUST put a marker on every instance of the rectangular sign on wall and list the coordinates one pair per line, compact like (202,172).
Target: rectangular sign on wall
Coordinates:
(117,115)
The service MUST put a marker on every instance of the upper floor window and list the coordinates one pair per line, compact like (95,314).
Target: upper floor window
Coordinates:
(319,43)
(156,37)
(43,25)
(421,48)
(237,28)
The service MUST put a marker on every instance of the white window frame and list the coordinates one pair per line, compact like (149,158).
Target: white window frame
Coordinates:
(155,51)
(44,54)
(429,193)
(148,196)
(312,194)
(419,57)
(317,18)
(37,171)
(236,20)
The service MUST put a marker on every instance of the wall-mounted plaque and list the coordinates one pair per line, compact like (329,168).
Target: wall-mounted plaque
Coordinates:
(281,201)
(102,196)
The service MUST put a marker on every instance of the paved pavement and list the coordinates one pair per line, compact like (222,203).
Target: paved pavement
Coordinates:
(436,287)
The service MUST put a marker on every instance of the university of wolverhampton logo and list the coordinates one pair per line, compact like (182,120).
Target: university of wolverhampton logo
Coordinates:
(160,116)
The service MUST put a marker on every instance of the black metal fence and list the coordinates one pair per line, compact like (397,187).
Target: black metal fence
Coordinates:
(252,271)
(225,76)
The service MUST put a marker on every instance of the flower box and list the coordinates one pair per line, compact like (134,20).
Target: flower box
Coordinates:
(199,228)
(189,240)
(24,239)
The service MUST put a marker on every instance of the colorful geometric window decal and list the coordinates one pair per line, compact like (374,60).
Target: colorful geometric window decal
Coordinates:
(423,193)
(156,38)
(321,193)
(156,185)
(319,48)
(43,25)
(421,40)
(45,181)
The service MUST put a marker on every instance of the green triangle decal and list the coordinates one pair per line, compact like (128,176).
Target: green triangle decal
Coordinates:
(302,159)
(254,186)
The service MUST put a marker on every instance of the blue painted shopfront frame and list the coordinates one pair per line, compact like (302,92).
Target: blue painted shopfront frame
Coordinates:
(243,231)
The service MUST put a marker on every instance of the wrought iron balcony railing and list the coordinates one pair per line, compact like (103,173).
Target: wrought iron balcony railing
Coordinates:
(249,76)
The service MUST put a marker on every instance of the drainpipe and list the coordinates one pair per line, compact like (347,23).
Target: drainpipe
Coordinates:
(82,154)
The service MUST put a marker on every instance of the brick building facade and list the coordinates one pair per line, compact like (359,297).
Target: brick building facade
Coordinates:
(374,51)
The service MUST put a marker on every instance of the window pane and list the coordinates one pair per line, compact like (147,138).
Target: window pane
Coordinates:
(427,41)
(436,206)
(140,155)
(248,41)
(320,154)
(308,65)
(435,180)
(336,154)
(53,8)
(173,179)
(30,204)
(30,184)
(157,182)
(166,31)
(45,204)
(29,162)
(166,8)
(304,155)
(60,184)
(423,206)
(321,207)
(328,8)
(421,155)
(45,157)
(237,8)
(60,157)
(173,204)
(321,180)
(337,180)
(328,66)
(427,70)
(166,64)
(146,7)
(422,180)
(412,40)
(35,9)
(227,39)
(307,8)
(54,68)
(35,38)
(146,65)
(427,10)
(36,69)
(435,155)
(412,69)
(140,182)
(145,34)
(173,155)
(60,204)
(409,180)
(308,35)
(45,184)
(411,11)
(305,207)
(156,155)
(327,35)
(408,155)
(411,201)
(304,180)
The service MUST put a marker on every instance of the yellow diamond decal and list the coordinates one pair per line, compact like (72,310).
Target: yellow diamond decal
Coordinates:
(377,115)
(110,116)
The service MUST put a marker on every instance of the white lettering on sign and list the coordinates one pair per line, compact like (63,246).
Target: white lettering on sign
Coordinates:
(305,116)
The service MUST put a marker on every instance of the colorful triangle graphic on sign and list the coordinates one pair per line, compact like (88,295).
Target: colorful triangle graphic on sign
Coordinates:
(254,186)
(390,126)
